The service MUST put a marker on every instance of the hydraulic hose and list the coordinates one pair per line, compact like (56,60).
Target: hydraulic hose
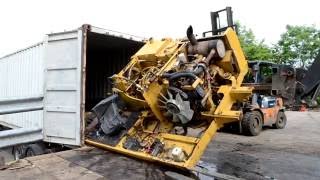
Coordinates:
(176,75)
(194,74)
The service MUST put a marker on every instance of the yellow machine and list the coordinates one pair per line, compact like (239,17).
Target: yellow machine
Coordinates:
(172,97)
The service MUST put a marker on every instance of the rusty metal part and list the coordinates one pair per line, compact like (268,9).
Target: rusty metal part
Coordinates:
(214,69)
(210,56)
(259,86)
(92,125)
(204,48)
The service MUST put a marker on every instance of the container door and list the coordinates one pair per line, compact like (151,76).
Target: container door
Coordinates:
(62,99)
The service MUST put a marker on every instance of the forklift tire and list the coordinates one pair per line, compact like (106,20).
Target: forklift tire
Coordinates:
(251,123)
(281,120)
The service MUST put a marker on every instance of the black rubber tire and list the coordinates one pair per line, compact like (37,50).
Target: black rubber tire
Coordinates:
(17,152)
(34,150)
(251,123)
(281,120)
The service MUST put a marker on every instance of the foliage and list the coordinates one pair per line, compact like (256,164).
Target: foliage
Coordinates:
(298,46)
(253,49)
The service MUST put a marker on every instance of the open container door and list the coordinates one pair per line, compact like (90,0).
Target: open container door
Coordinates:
(77,66)
(62,101)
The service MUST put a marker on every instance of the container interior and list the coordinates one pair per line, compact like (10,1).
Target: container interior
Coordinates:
(105,56)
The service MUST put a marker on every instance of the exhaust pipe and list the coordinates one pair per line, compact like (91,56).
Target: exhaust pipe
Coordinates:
(191,36)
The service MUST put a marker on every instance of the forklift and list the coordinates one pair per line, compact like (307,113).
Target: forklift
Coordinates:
(263,109)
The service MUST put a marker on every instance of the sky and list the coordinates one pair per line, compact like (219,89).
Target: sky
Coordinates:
(24,23)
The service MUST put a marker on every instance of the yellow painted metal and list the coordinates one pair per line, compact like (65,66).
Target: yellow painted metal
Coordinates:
(155,48)
(131,101)
(226,62)
(135,154)
(194,85)
(164,54)
(234,43)
(151,97)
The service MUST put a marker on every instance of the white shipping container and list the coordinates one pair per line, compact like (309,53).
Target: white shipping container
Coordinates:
(21,77)
(72,70)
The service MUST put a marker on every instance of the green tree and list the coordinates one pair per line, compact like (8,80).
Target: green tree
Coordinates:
(298,46)
(253,48)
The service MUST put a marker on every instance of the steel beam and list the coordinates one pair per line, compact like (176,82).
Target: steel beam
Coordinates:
(20,136)
(10,106)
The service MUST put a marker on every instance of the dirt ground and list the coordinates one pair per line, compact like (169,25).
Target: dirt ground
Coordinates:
(6,154)
(290,153)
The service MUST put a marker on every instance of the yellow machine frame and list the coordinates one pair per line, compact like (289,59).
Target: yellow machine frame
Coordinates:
(194,147)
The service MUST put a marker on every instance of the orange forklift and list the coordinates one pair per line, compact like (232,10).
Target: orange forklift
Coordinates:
(263,109)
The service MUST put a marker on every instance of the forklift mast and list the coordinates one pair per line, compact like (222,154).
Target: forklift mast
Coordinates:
(217,28)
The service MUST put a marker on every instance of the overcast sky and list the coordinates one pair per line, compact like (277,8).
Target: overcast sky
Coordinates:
(24,23)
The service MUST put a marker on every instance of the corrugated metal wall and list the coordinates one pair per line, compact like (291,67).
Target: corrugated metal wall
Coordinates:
(25,119)
(21,76)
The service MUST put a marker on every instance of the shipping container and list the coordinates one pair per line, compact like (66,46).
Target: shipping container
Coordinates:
(69,71)
(21,77)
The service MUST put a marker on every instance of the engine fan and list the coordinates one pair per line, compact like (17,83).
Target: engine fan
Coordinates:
(175,107)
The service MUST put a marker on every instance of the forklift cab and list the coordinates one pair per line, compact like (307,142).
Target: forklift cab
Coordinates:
(259,72)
